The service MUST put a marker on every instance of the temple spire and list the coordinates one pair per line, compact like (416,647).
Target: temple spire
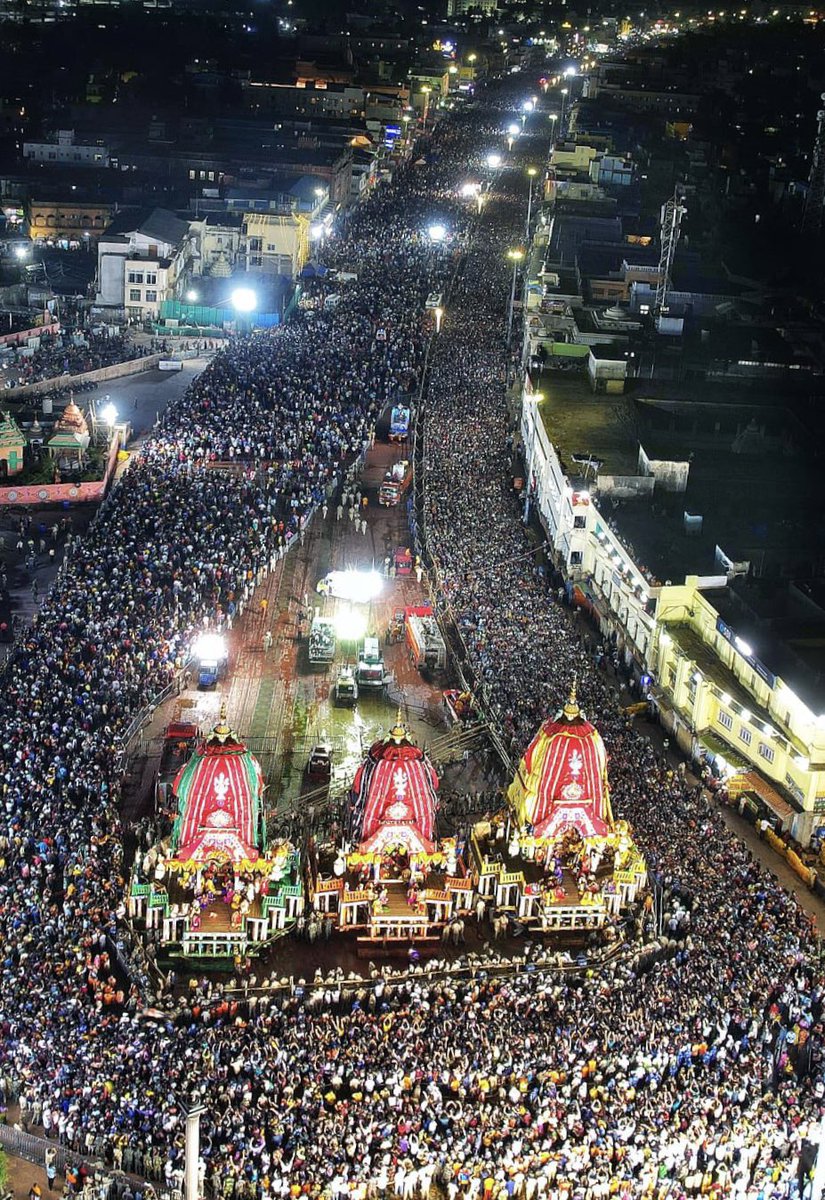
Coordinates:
(571,710)
(399,732)
(222,731)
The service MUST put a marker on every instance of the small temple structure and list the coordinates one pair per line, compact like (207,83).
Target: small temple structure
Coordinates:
(214,885)
(70,440)
(12,444)
(392,877)
(555,856)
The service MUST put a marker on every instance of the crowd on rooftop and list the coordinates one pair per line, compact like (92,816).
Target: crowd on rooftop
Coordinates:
(694,1067)
(61,356)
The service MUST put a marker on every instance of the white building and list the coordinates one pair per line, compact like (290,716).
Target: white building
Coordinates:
(140,259)
(591,554)
(67,151)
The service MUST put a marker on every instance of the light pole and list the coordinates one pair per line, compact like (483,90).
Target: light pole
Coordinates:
(561,123)
(532,172)
(192,1152)
(515,257)
(426,89)
(552,118)
(439,313)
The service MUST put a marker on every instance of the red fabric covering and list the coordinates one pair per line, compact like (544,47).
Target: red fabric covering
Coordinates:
(400,790)
(219,788)
(564,780)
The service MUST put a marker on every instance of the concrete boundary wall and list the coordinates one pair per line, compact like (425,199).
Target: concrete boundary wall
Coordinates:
(132,366)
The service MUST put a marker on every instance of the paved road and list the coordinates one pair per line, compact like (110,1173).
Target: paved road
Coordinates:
(139,399)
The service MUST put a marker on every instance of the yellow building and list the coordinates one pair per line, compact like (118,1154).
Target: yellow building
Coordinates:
(277,245)
(576,158)
(74,220)
(721,701)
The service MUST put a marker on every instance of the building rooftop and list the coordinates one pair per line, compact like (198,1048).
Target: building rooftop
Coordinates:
(157,223)
(756,506)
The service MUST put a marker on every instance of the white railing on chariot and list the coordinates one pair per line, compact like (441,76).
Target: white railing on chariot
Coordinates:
(217,945)
(384,925)
(578,916)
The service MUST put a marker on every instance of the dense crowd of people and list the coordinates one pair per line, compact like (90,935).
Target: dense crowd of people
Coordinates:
(693,1067)
(66,355)
(733,1005)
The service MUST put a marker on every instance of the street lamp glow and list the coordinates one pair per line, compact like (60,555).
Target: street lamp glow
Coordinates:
(493,161)
(513,130)
(439,313)
(209,647)
(21,251)
(437,233)
(192,296)
(109,414)
(319,192)
(532,171)
(569,72)
(515,255)
(350,626)
(359,587)
(317,231)
(469,190)
(244,300)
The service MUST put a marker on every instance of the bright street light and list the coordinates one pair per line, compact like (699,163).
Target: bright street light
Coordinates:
(359,587)
(109,414)
(532,172)
(192,296)
(439,313)
(209,647)
(350,626)
(21,251)
(515,257)
(317,231)
(513,130)
(244,300)
(493,161)
(437,233)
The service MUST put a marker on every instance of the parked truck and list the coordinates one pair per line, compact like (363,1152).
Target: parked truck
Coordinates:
(399,422)
(370,670)
(425,643)
(321,641)
(395,483)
